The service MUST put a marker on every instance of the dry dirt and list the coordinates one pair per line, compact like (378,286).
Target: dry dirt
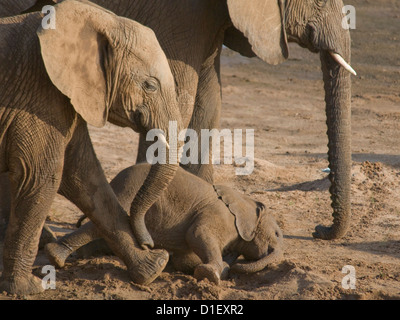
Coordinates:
(284,104)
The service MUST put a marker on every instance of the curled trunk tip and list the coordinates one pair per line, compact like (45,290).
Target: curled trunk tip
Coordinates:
(258,265)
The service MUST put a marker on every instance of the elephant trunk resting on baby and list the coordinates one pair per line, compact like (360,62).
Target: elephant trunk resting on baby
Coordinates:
(205,227)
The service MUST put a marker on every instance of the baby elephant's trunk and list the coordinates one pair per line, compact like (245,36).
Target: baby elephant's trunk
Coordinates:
(258,265)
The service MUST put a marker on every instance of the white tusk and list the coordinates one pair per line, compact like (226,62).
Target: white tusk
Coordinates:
(164,140)
(339,59)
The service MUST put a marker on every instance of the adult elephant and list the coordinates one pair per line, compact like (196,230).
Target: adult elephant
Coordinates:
(93,67)
(192,33)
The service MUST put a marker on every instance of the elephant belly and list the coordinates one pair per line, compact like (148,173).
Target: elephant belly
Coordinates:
(170,239)
(168,230)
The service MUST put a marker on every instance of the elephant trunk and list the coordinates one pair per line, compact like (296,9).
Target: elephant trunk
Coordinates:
(258,265)
(338,109)
(157,180)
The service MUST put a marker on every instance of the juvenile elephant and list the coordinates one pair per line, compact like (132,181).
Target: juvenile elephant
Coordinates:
(201,224)
(93,67)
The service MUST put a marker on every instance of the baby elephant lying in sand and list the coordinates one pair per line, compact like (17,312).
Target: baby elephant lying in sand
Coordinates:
(205,227)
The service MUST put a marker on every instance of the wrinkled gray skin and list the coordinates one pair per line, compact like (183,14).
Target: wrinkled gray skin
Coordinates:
(5,209)
(94,66)
(200,226)
(192,33)
(5,205)
(12,8)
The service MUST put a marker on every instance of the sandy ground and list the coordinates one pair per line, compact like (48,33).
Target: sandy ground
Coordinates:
(284,104)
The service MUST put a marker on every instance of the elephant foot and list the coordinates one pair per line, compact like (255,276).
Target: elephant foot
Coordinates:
(27,285)
(207,271)
(57,254)
(324,233)
(225,271)
(149,267)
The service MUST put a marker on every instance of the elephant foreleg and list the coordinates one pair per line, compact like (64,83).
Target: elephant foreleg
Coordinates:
(201,238)
(47,235)
(206,114)
(32,194)
(85,184)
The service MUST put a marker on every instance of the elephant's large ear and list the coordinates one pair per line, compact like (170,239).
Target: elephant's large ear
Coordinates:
(73,55)
(247,212)
(263,24)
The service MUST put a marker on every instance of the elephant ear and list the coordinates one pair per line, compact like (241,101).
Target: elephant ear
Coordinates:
(263,23)
(234,39)
(73,54)
(247,212)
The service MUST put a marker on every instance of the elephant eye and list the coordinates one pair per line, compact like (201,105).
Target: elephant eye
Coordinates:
(138,117)
(150,85)
(141,117)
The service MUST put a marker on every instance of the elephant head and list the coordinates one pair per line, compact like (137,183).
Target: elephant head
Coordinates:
(120,74)
(317,25)
(261,237)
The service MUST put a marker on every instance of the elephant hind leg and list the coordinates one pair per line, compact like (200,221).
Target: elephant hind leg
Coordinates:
(207,113)
(47,235)
(58,252)
(30,204)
